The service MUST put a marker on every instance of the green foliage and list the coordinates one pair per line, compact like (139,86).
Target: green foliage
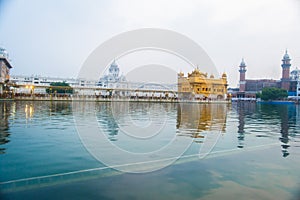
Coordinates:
(60,88)
(258,95)
(271,93)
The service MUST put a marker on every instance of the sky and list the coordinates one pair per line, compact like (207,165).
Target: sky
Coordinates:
(54,38)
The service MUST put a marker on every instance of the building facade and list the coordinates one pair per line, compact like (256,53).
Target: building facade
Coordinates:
(248,88)
(5,67)
(110,84)
(197,85)
(295,83)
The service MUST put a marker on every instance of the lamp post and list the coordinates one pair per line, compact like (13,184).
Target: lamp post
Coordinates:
(50,93)
(32,91)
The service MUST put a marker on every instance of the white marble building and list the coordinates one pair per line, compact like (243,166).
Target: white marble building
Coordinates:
(112,83)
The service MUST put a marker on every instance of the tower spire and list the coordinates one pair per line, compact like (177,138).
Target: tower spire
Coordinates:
(242,71)
(285,77)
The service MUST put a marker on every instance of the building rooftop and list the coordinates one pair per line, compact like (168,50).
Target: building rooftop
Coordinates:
(4,56)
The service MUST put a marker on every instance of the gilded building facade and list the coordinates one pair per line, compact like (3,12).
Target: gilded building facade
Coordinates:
(202,118)
(197,85)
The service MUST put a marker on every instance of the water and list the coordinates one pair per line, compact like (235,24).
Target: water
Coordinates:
(247,151)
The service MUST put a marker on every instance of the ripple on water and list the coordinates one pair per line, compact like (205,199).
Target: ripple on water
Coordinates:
(43,140)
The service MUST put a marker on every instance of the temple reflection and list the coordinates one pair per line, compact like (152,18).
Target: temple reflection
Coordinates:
(113,115)
(59,107)
(257,123)
(107,121)
(42,108)
(276,119)
(10,111)
(287,119)
(6,108)
(194,119)
(244,110)
(29,111)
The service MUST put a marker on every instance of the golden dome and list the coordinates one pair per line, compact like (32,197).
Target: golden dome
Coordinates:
(224,75)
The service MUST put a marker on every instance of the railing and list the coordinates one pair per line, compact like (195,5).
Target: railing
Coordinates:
(95,98)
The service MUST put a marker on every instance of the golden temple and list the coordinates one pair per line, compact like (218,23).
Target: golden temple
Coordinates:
(197,85)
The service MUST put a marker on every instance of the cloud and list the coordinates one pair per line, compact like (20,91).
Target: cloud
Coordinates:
(46,37)
(154,12)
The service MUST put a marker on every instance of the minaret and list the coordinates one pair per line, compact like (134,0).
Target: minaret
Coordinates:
(242,76)
(285,79)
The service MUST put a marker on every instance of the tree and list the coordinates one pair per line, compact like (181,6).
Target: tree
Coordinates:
(258,95)
(60,88)
(271,93)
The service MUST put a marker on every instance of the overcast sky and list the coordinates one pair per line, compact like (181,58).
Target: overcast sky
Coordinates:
(53,38)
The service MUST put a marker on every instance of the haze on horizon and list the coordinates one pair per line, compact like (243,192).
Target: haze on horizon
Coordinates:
(54,39)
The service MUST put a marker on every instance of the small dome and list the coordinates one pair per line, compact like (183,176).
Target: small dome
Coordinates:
(181,74)
(212,76)
(224,75)
(286,56)
(243,64)
(114,64)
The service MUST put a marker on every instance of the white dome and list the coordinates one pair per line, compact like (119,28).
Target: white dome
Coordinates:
(286,56)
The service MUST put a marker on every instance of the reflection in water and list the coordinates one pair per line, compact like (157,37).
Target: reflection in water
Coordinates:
(116,117)
(193,119)
(5,110)
(284,130)
(264,121)
(26,111)
(286,115)
(43,130)
(59,108)
(29,111)
(108,122)
(43,108)
(243,109)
